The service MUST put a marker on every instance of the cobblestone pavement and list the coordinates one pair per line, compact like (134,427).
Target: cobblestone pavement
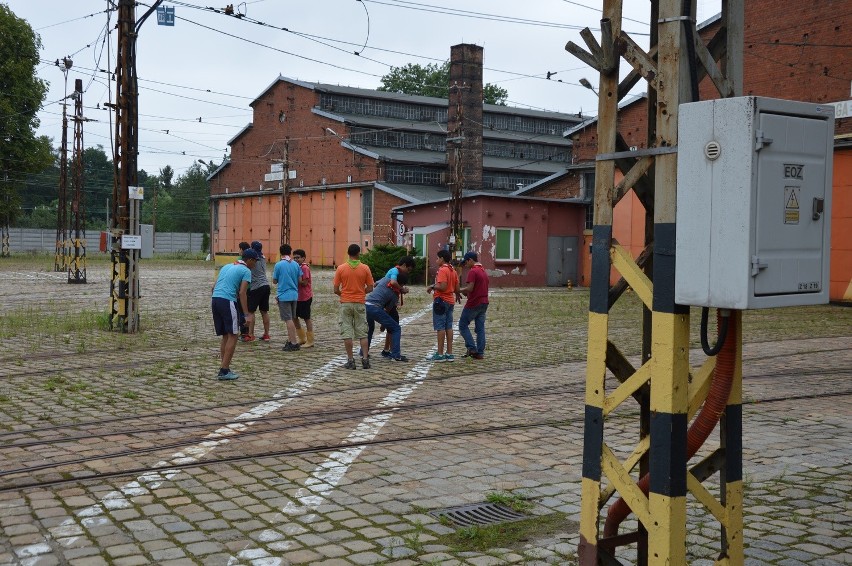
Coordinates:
(315,464)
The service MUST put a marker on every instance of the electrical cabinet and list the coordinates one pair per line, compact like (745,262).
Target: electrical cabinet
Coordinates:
(753,203)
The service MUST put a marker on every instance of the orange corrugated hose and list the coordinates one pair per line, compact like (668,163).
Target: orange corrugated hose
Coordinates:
(704,423)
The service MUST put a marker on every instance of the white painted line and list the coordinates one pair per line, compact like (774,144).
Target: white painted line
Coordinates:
(68,532)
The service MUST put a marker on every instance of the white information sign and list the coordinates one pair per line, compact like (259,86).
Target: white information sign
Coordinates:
(274,176)
(136,193)
(129,242)
(842,109)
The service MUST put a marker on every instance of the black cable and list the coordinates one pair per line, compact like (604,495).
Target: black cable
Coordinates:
(723,332)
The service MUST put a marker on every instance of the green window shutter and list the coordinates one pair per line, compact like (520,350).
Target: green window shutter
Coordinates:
(419,245)
(503,243)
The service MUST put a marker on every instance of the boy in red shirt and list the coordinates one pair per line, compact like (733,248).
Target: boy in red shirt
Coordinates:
(445,289)
(476,290)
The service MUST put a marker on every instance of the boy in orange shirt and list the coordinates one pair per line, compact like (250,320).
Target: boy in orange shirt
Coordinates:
(352,281)
(445,291)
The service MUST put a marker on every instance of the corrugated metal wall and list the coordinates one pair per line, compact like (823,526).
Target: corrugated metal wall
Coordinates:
(36,240)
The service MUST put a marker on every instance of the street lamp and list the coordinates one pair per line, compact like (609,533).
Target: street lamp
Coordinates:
(585,82)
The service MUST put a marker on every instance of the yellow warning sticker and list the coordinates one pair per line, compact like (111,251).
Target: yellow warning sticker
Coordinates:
(791,205)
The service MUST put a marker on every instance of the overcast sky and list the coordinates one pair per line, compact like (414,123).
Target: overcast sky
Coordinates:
(211,66)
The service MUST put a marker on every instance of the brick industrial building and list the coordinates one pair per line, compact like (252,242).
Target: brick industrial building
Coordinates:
(371,166)
(352,155)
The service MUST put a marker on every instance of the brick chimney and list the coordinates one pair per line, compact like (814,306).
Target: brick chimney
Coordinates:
(464,116)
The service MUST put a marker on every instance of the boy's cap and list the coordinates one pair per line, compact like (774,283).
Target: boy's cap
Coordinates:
(471,255)
(250,254)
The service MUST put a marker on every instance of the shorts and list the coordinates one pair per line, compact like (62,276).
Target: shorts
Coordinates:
(259,298)
(443,321)
(226,319)
(303,309)
(287,310)
(353,321)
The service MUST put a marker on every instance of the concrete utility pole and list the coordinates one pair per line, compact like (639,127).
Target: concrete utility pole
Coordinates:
(60,261)
(667,395)
(77,257)
(126,195)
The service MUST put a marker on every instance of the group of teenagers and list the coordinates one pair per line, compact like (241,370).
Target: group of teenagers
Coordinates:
(243,287)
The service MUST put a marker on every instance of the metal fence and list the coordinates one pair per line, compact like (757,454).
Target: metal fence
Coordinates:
(44,241)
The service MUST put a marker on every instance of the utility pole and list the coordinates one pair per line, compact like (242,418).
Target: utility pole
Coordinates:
(457,184)
(126,195)
(667,394)
(77,259)
(60,261)
(285,196)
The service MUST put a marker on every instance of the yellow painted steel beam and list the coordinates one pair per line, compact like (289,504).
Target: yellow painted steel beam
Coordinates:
(596,359)
(625,485)
(626,389)
(631,272)
(734,527)
(590,491)
(697,489)
(700,385)
(638,451)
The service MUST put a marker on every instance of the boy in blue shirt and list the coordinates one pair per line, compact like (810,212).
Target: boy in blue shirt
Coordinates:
(287,275)
(232,282)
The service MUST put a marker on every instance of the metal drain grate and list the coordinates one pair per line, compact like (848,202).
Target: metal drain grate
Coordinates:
(479,514)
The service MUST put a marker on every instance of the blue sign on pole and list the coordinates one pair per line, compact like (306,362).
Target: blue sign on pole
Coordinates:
(165,15)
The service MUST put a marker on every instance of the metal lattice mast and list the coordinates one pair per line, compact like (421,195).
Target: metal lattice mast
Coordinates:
(60,260)
(77,251)
(124,281)
(667,394)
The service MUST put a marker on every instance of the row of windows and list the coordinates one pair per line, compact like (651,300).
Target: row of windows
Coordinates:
(402,140)
(509,244)
(508,181)
(382,108)
(433,142)
(524,124)
(426,113)
(414,175)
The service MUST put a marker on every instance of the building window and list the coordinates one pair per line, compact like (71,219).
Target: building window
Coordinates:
(465,243)
(509,244)
(367,209)
(419,241)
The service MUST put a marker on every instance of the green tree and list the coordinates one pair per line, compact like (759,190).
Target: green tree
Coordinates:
(21,96)
(433,80)
(185,208)
(98,175)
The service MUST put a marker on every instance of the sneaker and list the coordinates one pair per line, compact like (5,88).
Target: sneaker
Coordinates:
(476,356)
(449,358)
(365,362)
(436,357)
(399,358)
(350,365)
(230,376)
(266,338)
(386,354)
(290,347)
(247,338)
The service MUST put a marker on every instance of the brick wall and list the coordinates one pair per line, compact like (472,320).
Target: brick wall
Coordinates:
(792,50)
